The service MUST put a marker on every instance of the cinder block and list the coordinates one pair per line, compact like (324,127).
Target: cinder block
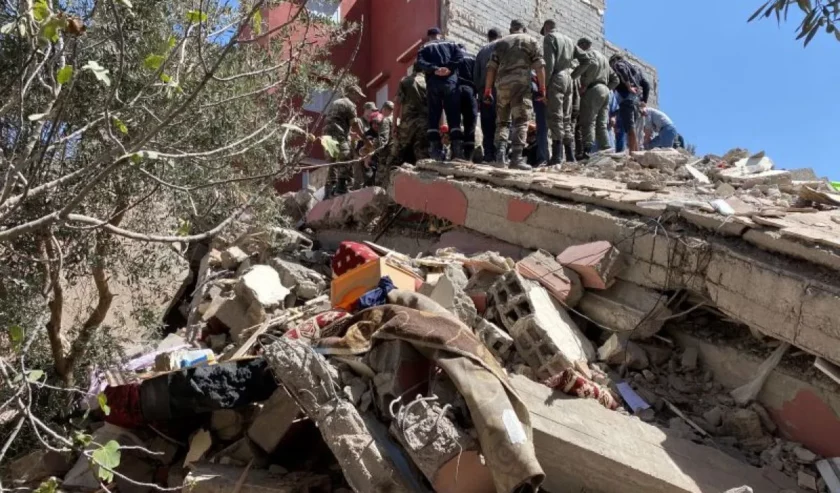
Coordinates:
(274,420)
(597,263)
(499,342)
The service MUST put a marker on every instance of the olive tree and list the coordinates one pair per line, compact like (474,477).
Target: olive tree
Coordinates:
(818,15)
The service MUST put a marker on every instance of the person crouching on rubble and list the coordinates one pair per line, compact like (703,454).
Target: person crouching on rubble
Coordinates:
(660,124)
(373,148)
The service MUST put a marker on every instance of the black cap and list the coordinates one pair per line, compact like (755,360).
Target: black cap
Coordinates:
(433,31)
(494,33)
(584,43)
(516,25)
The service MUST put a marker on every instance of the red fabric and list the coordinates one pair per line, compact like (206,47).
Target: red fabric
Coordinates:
(572,382)
(351,255)
(324,324)
(124,402)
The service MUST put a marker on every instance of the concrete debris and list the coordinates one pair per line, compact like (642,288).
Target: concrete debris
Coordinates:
(232,257)
(227,424)
(627,308)
(261,285)
(743,424)
(304,282)
(830,471)
(597,263)
(449,293)
(689,358)
(562,283)
(747,393)
(618,351)
(807,481)
(499,342)
(217,478)
(357,207)
(273,420)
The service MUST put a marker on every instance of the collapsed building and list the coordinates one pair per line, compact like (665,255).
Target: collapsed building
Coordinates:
(651,322)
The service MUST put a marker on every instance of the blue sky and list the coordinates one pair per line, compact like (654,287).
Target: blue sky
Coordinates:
(726,83)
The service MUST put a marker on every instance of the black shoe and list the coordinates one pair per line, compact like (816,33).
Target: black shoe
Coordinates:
(457,150)
(517,161)
(570,152)
(500,160)
(556,153)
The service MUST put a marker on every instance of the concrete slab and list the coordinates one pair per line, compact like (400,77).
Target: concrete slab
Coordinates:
(581,444)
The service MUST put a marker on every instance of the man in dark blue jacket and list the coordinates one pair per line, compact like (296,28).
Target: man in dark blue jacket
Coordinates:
(633,92)
(469,103)
(439,59)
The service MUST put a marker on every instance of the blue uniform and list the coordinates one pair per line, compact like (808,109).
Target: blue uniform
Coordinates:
(442,92)
(469,103)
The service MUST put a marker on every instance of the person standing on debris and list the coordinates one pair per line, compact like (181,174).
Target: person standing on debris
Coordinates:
(340,117)
(488,111)
(514,56)
(541,124)
(469,103)
(559,52)
(412,114)
(632,82)
(596,82)
(620,136)
(439,59)
(657,122)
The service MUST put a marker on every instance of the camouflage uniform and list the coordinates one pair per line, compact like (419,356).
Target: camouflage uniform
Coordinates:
(559,51)
(595,76)
(340,116)
(411,135)
(514,56)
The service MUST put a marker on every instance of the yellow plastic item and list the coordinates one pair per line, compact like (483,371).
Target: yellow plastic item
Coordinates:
(351,285)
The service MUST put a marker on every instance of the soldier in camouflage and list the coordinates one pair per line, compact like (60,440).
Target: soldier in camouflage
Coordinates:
(514,56)
(412,113)
(339,119)
(559,51)
(596,81)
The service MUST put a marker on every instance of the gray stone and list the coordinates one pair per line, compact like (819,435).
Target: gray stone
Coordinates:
(232,257)
(725,190)
(303,281)
(261,285)
(626,307)
(806,480)
(689,358)
(449,293)
(804,455)
(714,416)
(274,420)
(764,416)
(618,351)
(743,424)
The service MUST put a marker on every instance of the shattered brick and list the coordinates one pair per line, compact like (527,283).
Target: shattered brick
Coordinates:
(597,263)
(561,282)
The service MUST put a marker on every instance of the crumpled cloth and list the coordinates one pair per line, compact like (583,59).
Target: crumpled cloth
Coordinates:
(377,296)
(574,383)
(124,402)
(324,324)
(501,419)
(351,255)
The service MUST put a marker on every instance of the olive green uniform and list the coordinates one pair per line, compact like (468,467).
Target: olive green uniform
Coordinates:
(559,51)
(340,116)
(411,95)
(595,74)
(514,56)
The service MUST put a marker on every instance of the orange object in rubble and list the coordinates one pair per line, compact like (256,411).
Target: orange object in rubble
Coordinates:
(350,286)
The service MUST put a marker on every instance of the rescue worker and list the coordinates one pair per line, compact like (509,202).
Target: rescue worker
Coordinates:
(339,119)
(469,104)
(559,52)
(596,82)
(514,56)
(488,111)
(631,82)
(439,59)
(412,114)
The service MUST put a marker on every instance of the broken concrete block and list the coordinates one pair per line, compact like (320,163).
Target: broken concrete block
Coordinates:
(232,257)
(618,351)
(432,439)
(807,481)
(664,159)
(241,453)
(261,285)
(290,240)
(449,293)
(626,307)
(689,358)
(499,342)
(237,317)
(544,334)
(311,380)
(597,263)
(359,206)
(217,478)
(274,420)
(743,423)
(561,282)
(303,281)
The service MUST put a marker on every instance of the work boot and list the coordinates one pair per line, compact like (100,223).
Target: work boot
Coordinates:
(556,153)
(436,151)
(517,161)
(570,152)
(501,156)
(458,150)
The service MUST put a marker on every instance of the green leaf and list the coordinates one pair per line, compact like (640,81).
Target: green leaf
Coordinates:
(99,71)
(52,27)
(330,145)
(48,486)
(153,62)
(16,334)
(137,157)
(82,438)
(811,34)
(165,78)
(196,16)
(184,227)
(120,125)
(103,404)
(107,458)
(757,12)
(34,375)
(8,27)
(172,42)
(40,11)
(36,116)
(65,74)
(256,22)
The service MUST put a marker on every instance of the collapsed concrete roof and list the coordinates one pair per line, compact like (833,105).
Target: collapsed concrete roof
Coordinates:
(778,275)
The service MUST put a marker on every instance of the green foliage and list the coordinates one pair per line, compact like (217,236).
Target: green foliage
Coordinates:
(818,15)
(64,74)
(48,486)
(153,62)
(102,400)
(196,16)
(330,145)
(107,457)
